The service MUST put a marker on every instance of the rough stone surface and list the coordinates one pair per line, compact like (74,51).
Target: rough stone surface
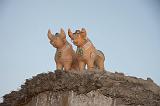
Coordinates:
(85,89)
(93,98)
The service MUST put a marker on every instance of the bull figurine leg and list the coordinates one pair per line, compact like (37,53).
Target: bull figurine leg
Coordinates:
(101,65)
(59,66)
(90,65)
(81,65)
(67,66)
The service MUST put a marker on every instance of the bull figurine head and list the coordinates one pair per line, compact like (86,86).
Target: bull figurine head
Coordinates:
(78,37)
(58,40)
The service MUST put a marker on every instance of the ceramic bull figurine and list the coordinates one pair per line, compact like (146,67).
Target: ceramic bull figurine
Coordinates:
(86,52)
(65,56)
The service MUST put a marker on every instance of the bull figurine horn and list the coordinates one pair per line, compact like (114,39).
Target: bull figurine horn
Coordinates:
(70,34)
(84,33)
(50,35)
(62,34)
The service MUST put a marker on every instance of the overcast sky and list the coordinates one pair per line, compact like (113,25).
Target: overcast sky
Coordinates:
(127,31)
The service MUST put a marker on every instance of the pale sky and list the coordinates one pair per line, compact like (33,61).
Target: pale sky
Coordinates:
(127,31)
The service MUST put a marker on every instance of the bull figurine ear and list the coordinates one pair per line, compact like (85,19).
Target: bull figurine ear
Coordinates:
(62,34)
(70,34)
(83,33)
(50,35)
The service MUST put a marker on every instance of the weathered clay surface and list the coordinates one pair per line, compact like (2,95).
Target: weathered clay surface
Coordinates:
(85,89)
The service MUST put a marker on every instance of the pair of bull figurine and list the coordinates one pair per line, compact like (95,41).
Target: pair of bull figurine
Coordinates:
(86,54)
